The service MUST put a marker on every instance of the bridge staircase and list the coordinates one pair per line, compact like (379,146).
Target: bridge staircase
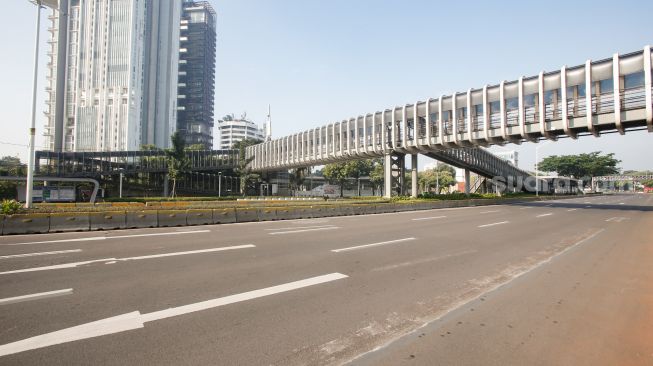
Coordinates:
(483,163)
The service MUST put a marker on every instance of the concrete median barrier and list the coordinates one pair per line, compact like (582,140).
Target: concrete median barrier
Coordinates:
(2,222)
(314,212)
(267,214)
(246,214)
(26,224)
(167,218)
(388,207)
(199,216)
(109,220)
(69,221)
(290,213)
(358,209)
(347,210)
(369,209)
(329,211)
(142,219)
(310,212)
(224,216)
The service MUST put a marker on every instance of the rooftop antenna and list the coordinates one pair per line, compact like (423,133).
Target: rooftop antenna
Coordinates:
(268,126)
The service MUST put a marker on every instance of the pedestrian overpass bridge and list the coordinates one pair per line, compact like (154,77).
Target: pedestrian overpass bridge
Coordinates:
(609,95)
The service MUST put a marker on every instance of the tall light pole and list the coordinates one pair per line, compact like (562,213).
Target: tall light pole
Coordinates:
(122,176)
(54,4)
(537,167)
(437,178)
(219,184)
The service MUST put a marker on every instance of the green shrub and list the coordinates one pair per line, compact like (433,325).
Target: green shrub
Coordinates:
(10,207)
(400,198)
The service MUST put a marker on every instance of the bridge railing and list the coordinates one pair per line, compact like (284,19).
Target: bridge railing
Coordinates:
(92,164)
(570,101)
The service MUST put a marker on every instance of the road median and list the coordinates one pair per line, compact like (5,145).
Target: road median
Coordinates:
(181,215)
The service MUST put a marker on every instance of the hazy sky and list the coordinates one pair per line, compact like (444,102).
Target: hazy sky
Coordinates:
(318,62)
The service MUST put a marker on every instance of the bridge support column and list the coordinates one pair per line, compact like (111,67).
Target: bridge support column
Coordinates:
(413,175)
(467,179)
(393,174)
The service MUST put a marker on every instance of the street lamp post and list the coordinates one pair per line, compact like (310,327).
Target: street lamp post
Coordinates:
(219,184)
(437,178)
(122,175)
(54,4)
(32,130)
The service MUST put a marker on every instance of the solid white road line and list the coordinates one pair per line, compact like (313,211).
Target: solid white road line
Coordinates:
(114,260)
(110,237)
(428,218)
(299,227)
(616,219)
(40,253)
(136,320)
(38,296)
(572,209)
(496,223)
(57,266)
(372,245)
(303,231)
(543,215)
(221,249)
(487,212)
(204,305)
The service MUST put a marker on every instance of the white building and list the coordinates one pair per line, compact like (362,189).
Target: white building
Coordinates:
(232,130)
(112,74)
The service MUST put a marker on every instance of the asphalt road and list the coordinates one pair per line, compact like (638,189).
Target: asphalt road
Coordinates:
(566,282)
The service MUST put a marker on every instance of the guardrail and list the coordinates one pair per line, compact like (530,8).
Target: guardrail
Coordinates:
(41,223)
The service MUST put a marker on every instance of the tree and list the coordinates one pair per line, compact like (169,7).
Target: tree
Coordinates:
(297,177)
(582,166)
(357,169)
(336,173)
(149,147)
(11,165)
(177,160)
(376,175)
(244,172)
(648,183)
(441,177)
(195,147)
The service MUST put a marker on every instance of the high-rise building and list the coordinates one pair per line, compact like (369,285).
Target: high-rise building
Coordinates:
(197,73)
(233,130)
(112,74)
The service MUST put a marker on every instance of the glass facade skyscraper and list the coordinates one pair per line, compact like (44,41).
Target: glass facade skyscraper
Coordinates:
(197,73)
